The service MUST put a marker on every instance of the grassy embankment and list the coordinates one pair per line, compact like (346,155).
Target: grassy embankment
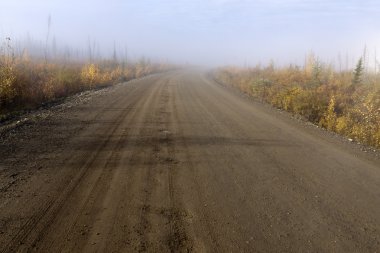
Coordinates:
(28,82)
(346,102)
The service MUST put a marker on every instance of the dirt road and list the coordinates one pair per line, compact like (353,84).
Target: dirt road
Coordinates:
(177,163)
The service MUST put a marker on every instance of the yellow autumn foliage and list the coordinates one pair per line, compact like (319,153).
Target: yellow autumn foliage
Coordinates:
(90,74)
(27,82)
(318,93)
(7,82)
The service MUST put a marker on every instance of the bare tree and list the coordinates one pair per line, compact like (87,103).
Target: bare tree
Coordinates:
(47,38)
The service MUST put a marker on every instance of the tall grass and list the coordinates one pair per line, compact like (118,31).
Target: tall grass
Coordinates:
(27,82)
(346,102)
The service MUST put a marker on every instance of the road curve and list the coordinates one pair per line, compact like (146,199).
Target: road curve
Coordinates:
(176,163)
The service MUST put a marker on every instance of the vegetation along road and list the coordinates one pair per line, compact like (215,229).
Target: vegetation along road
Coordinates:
(174,162)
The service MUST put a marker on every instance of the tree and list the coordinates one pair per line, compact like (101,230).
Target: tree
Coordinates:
(358,72)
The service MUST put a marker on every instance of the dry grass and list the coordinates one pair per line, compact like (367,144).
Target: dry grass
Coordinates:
(345,102)
(27,83)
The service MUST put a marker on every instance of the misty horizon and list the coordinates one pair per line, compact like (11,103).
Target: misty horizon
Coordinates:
(212,33)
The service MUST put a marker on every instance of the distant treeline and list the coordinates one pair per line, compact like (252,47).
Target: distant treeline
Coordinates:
(346,102)
(27,82)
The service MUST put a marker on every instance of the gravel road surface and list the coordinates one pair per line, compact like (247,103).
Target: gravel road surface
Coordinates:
(177,163)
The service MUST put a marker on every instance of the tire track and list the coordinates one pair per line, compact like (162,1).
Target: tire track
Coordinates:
(89,208)
(38,223)
(143,225)
(99,188)
(190,164)
(105,180)
(163,159)
(179,239)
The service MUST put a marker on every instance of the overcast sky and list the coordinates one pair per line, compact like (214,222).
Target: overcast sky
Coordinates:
(216,32)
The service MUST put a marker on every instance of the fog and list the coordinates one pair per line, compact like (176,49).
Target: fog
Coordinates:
(201,32)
